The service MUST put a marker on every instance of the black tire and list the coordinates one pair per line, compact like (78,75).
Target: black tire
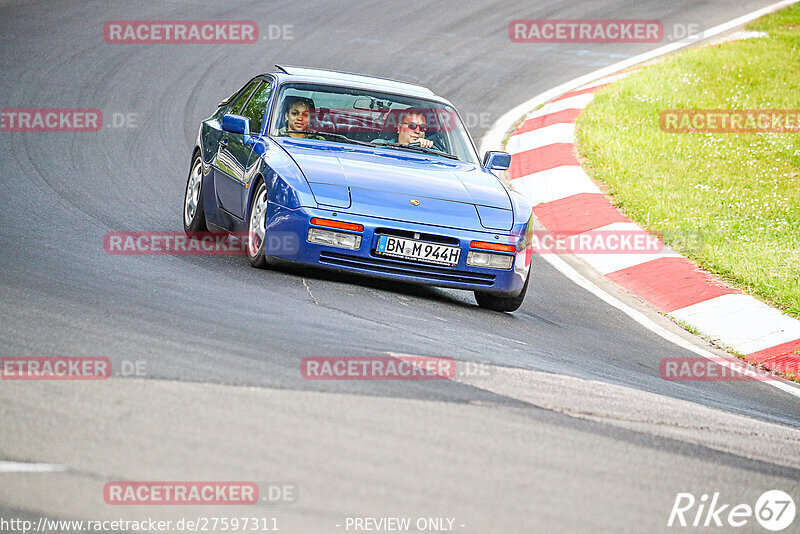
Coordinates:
(500,303)
(194,217)
(255,243)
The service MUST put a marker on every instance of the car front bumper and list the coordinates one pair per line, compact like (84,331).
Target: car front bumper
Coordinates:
(287,239)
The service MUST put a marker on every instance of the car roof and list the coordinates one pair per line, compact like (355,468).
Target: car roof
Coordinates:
(304,74)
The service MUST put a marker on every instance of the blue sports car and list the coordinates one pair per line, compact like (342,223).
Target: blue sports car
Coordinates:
(360,174)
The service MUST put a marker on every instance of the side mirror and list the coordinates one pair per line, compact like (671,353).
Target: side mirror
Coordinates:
(236,124)
(497,161)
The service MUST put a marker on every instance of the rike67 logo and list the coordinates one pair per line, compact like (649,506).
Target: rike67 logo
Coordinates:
(774,510)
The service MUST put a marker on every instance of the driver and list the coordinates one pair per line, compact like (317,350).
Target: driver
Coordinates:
(410,129)
(298,112)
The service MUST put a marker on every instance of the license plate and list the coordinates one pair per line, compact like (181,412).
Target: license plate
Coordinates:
(413,249)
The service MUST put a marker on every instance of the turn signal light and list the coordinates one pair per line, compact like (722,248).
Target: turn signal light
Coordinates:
(493,246)
(337,224)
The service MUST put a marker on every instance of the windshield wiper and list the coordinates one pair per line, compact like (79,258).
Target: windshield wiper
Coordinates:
(420,149)
(333,135)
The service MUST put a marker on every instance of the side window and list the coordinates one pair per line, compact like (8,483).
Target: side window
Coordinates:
(257,106)
(237,106)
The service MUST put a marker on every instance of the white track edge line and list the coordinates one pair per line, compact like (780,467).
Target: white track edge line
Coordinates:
(27,467)
(495,135)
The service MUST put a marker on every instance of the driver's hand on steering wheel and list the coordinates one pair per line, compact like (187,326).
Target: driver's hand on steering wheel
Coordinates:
(424,143)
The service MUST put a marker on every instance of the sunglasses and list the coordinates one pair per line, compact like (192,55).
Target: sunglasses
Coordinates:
(414,126)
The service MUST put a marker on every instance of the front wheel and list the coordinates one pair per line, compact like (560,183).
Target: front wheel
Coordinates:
(257,229)
(194,218)
(502,304)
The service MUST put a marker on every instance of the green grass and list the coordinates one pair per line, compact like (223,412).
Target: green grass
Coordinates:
(730,202)
(689,328)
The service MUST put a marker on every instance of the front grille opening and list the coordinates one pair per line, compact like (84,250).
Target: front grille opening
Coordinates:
(432,273)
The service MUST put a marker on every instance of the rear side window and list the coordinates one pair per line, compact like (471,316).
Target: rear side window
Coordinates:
(254,110)
(237,106)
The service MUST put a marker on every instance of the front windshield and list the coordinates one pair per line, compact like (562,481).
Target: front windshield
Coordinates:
(364,117)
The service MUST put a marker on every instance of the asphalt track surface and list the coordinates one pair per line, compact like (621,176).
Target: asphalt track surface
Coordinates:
(223,398)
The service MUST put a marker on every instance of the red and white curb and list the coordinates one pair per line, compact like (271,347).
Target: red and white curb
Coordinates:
(545,169)
(566,201)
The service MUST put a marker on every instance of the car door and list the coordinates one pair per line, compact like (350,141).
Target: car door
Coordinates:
(231,158)
(254,110)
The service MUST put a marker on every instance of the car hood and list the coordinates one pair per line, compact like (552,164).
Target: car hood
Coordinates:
(396,171)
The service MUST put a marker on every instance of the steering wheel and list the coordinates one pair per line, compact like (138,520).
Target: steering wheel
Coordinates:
(434,147)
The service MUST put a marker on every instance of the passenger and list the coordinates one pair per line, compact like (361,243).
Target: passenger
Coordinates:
(298,114)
